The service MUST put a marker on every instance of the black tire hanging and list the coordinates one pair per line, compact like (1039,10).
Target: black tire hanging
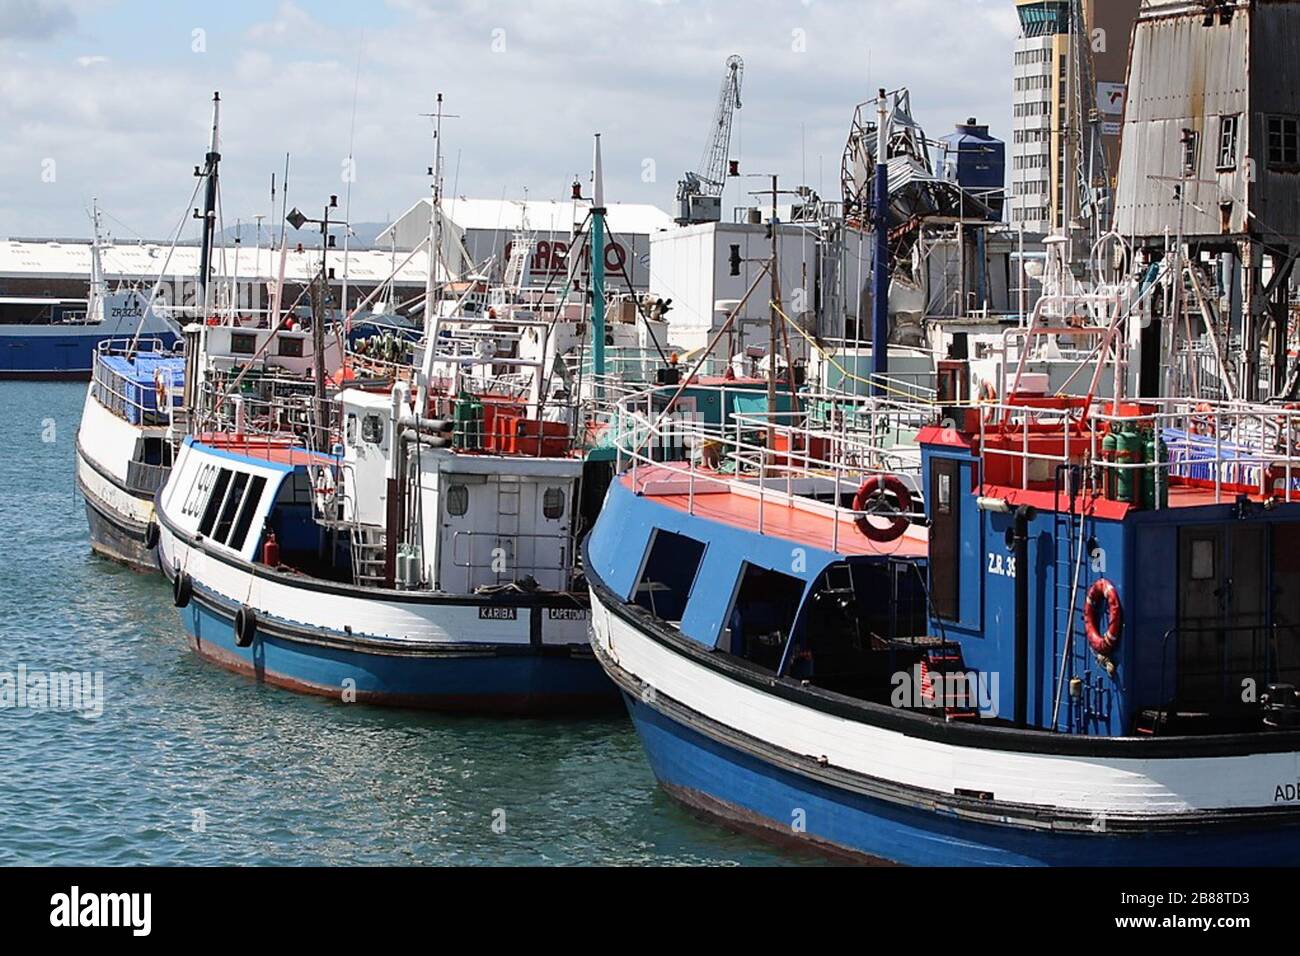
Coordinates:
(182,588)
(245,627)
(151,535)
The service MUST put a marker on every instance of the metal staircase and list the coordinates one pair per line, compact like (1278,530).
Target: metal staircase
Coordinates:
(368,555)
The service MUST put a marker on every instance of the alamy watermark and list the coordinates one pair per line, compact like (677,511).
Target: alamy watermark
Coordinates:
(959,690)
(78,692)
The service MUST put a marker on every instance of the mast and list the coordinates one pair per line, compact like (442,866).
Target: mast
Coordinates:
(431,280)
(211,162)
(880,270)
(598,269)
(773,306)
(95,298)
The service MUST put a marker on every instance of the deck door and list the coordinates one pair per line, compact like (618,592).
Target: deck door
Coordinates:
(945,539)
(1222,637)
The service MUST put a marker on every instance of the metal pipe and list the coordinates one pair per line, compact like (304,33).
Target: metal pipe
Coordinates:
(1020,549)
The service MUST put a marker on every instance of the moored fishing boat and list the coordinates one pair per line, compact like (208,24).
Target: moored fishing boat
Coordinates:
(1088,657)
(397,569)
(123,446)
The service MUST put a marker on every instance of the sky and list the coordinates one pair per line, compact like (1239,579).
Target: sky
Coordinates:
(111,99)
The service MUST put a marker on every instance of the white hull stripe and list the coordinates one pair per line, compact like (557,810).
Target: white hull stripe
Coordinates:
(1105,788)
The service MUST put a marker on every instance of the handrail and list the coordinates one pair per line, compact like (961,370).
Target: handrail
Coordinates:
(126,398)
(811,459)
(1231,447)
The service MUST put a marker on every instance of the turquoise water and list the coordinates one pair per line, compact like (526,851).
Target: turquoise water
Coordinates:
(191,765)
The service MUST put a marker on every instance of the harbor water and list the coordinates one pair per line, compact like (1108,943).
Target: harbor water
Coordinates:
(189,764)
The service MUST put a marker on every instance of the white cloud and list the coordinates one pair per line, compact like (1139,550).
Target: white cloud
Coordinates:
(529,82)
(34,19)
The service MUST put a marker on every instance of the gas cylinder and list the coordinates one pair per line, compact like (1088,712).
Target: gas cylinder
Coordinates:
(271,550)
(468,433)
(1128,451)
(1155,480)
(1109,444)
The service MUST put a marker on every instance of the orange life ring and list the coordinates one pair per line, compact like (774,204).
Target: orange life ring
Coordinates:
(874,488)
(1102,590)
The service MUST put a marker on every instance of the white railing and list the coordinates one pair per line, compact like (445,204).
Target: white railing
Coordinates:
(128,397)
(1227,448)
(780,459)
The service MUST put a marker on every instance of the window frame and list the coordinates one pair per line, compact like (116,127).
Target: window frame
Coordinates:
(1229,135)
(1283,143)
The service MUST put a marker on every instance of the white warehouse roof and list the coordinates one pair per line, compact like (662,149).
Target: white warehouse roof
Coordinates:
(133,261)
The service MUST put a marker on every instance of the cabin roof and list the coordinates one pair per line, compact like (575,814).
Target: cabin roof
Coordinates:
(263,449)
(718,499)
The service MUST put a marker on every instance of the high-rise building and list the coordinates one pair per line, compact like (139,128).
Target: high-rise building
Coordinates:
(1050,97)
(1038,103)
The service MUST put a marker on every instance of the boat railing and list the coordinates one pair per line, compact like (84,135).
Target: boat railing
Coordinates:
(270,410)
(633,365)
(143,478)
(1141,450)
(780,459)
(125,381)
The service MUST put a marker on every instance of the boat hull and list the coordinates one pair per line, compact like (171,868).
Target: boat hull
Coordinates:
(116,537)
(53,353)
(117,515)
(480,679)
(745,793)
(738,751)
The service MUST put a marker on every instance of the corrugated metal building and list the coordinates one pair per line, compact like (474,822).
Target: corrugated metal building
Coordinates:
(1211,149)
(1234,81)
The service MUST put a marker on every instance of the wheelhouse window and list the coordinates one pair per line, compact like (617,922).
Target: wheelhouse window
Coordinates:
(215,501)
(1284,142)
(252,497)
(243,343)
(291,347)
(553,503)
(234,495)
(457,500)
(671,566)
(762,615)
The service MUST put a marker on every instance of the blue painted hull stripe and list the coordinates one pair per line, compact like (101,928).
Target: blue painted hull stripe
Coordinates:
(750,793)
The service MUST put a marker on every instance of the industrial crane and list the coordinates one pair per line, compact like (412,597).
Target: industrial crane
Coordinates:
(699,195)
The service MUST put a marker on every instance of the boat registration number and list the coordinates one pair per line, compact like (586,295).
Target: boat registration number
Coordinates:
(1003,564)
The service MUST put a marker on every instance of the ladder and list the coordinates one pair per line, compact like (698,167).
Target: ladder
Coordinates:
(368,555)
(508,507)
(944,661)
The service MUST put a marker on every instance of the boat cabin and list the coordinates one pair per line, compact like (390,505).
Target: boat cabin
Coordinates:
(1077,567)
(1158,565)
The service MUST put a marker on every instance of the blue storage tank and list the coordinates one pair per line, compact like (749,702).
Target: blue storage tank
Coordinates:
(977,162)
